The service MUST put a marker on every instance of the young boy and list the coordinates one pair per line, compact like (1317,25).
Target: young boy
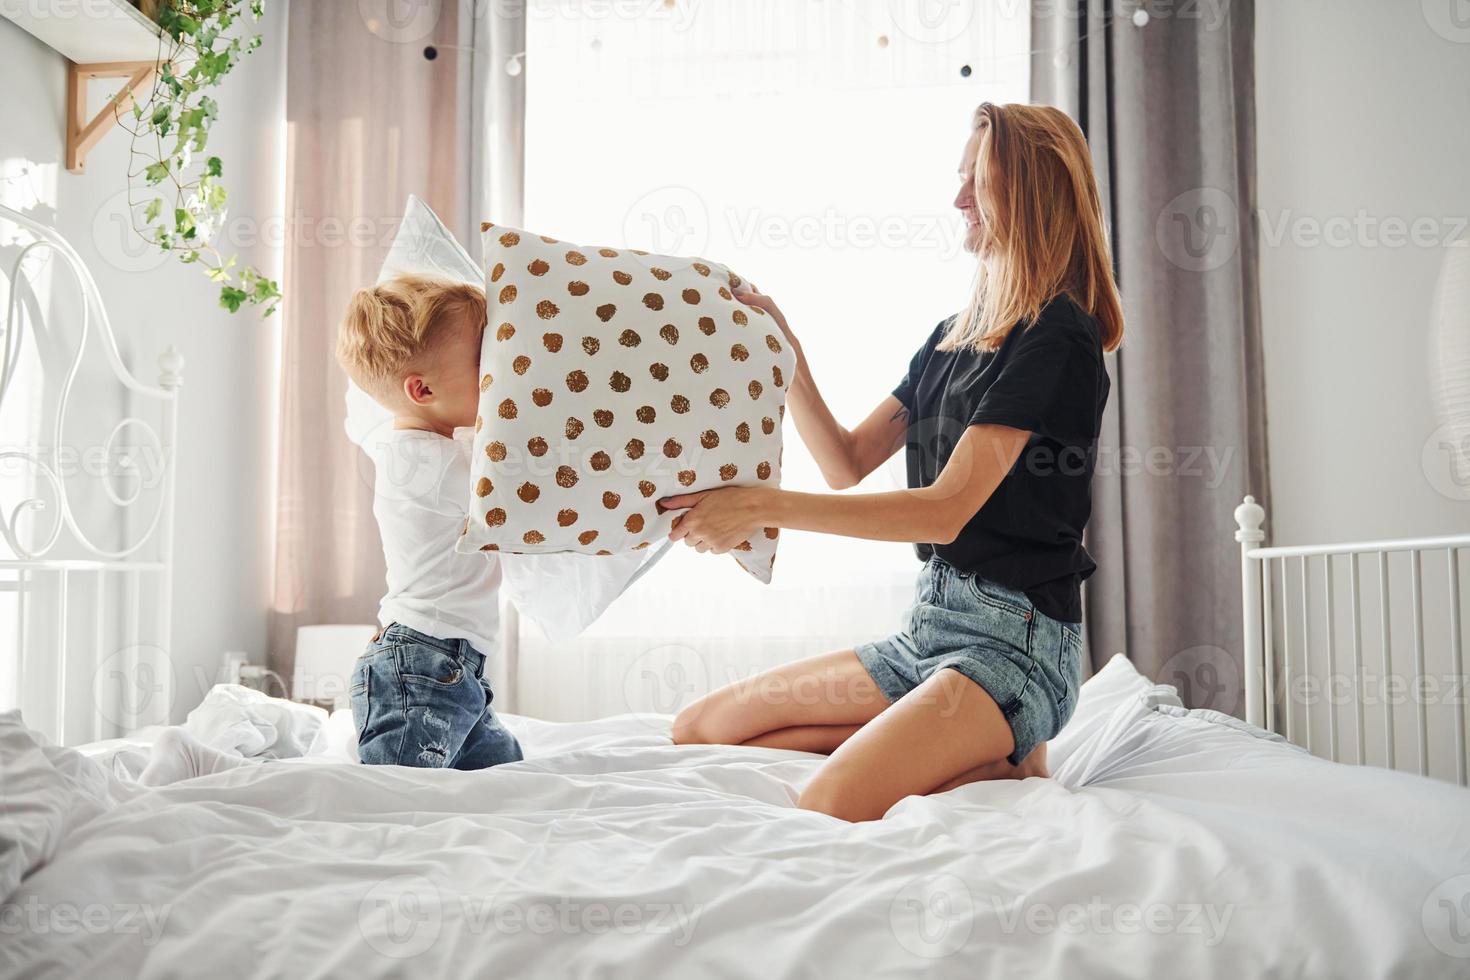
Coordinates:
(419,694)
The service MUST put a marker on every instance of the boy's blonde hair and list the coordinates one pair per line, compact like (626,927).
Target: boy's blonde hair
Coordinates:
(390,327)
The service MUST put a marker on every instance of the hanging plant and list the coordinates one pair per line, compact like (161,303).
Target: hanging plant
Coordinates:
(200,44)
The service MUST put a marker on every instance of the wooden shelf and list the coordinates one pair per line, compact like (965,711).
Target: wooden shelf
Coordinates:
(82,132)
(100,39)
(88,32)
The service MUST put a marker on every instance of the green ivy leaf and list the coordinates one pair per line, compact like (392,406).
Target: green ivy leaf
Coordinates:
(201,49)
(232,298)
(265,289)
(183,223)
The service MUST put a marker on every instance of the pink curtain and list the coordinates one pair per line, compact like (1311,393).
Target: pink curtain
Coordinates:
(370,120)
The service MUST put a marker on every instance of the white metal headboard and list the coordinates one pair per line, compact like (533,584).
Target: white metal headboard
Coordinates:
(1290,669)
(84,668)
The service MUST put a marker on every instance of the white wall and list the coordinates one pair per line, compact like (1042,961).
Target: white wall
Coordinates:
(226,441)
(1363,115)
(1363,107)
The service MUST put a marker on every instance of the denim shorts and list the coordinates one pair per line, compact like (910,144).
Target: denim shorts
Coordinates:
(1028,662)
(422,701)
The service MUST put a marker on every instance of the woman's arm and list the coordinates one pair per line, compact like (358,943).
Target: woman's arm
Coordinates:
(844,455)
(718,520)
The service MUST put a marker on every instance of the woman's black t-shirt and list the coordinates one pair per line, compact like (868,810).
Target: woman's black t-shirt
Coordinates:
(1048,379)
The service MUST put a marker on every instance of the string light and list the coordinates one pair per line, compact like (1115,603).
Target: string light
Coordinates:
(431,52)
(1061,56)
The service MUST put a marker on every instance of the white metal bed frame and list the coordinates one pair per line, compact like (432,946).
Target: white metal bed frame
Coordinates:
(67,553)
(1270,703)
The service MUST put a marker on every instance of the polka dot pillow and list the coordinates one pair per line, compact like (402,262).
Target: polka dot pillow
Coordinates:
(612,378)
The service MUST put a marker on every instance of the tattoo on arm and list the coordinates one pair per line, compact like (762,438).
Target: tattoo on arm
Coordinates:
(902,415)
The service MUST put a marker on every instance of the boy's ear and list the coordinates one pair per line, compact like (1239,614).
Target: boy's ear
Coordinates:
(417,390)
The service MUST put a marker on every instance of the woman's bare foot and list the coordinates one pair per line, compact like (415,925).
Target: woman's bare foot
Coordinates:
(1033,765)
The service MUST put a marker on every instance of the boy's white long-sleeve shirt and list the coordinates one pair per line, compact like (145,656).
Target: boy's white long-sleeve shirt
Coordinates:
(420,494)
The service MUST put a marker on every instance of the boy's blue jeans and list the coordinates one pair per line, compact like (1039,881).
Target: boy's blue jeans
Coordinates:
(422,701)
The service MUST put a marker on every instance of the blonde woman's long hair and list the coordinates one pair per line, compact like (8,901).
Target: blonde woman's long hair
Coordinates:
(1041,228)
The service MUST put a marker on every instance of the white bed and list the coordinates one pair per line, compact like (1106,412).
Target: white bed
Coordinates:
(1169,843)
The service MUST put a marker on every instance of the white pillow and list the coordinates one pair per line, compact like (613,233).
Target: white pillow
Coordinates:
(561,594)
(1118,683)
(611,379)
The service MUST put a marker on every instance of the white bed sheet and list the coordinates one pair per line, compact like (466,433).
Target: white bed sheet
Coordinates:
(1169,843)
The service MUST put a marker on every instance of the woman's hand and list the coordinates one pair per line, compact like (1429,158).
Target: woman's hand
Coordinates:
(718,520)
(844,456)
(761,301)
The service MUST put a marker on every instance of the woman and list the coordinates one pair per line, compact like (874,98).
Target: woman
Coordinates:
(999,413)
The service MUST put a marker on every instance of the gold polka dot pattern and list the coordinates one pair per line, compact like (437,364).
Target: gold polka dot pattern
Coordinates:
(606,375)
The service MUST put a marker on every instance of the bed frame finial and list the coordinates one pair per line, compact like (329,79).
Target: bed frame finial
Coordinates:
(1249,517)
(170,368)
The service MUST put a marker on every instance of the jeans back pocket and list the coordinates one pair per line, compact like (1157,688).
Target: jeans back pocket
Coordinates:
(417,662)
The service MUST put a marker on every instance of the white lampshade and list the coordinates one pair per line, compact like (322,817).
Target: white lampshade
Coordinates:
(325,656)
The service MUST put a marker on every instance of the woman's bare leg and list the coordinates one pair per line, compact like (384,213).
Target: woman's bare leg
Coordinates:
(1033,765)
(823,739)
(946,728)
(833,689)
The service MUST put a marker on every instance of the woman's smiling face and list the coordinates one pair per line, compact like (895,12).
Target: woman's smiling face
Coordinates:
(965,200)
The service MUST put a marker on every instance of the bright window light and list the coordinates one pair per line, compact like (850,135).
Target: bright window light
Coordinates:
(812,146)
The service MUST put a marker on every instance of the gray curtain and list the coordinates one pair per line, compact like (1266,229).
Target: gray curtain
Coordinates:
(370,120)
(1169,112)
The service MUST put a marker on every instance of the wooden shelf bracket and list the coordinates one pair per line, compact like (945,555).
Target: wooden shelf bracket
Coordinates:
(83,133)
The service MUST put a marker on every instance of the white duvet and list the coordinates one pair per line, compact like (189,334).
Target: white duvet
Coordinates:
(1169,843)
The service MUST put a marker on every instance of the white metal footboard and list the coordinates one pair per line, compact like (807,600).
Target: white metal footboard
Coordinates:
(86,520)
(1378,674)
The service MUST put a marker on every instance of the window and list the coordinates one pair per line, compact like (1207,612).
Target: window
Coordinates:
(813,146)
